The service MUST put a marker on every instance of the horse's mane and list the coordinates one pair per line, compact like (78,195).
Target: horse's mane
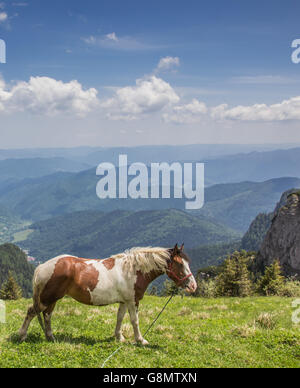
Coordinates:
(144,259)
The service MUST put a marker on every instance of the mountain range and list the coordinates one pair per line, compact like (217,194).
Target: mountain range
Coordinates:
(97,234)
(234,205)
(223,163)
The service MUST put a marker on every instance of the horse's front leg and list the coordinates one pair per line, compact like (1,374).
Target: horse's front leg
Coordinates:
(133,312)
(121,313)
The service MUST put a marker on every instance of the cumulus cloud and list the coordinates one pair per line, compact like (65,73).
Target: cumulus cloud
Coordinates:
(167,63)
(285,110)
(196,111)
(150,94)
(47,96)
(188,113)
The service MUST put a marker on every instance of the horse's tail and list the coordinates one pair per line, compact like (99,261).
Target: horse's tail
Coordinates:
(41,322)
(36,299)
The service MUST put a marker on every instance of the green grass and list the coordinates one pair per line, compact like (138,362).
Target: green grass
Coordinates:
(10,227)
(22,235)
(192,332)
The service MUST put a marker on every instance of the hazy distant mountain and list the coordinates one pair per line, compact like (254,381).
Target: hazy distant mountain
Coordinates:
(98,235)
(146,154)
(237,204)
(255,166)
(163,153)
(223,163)
(31,153)
(12,170)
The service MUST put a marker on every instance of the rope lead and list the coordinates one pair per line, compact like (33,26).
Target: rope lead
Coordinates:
(147,331)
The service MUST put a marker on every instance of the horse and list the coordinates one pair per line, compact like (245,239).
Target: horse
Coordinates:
(122,278)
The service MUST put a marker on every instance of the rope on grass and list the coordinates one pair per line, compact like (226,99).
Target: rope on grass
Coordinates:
(147,331)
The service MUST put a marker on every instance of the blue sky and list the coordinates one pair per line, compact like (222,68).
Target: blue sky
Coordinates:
(148,72)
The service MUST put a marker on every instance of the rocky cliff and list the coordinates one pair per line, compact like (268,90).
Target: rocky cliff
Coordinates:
(282,241)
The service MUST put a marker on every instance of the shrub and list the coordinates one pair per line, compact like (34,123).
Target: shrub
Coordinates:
(272,282)
(206,288)
(290,289)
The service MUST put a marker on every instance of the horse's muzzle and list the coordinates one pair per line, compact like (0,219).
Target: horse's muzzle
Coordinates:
(191,287)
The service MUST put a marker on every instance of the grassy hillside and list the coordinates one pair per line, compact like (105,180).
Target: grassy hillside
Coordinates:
(193,332)
(99,234)
(14,260)
(10,225)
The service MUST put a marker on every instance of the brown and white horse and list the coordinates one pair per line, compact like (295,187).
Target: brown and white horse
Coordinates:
(122,279)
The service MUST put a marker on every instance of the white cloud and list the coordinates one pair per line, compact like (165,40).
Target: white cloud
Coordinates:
(3,17)
(112,36)
(47,96)
(167,63)
(285,110)
(188,113)
(112,41)
(196,111)
(151,94)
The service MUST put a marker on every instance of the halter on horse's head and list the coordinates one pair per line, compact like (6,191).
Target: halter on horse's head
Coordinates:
(179,269)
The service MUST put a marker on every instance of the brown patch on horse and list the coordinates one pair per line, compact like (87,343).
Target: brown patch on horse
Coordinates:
(72,276)
(109,263)
(142,283)
(178,259)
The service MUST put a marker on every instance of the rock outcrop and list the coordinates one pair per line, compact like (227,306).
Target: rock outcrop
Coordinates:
(282,241)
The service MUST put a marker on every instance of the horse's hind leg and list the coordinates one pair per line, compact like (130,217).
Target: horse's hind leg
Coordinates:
(31,313)
(121,313)
(47,319)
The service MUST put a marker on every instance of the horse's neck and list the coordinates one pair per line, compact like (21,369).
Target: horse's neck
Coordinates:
(143,280)
(152,275)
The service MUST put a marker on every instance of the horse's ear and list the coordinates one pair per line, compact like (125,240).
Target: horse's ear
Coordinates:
(175,249)
(182,247)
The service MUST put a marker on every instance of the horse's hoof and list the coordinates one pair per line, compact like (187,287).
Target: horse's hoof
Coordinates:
(121,339)
(50,338)
(22,338)
(143,342)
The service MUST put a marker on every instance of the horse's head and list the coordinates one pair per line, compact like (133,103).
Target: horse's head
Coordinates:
(179,269)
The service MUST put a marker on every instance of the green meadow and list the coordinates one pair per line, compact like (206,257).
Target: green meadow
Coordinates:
(192,332)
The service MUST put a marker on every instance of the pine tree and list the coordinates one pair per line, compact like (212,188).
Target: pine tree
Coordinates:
(234,279)
(10,289)
(272,281)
